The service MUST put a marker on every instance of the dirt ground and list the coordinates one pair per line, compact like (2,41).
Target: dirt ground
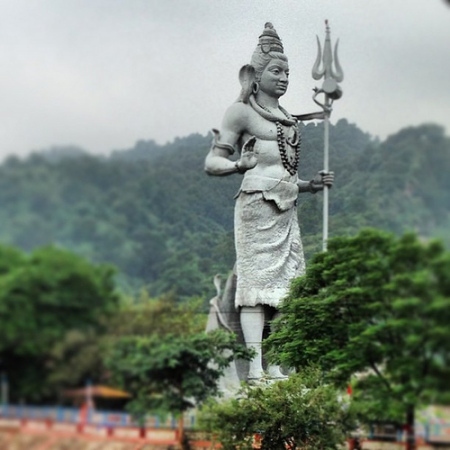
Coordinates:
(19,441)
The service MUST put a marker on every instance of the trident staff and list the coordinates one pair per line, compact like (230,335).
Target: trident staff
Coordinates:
(332,91)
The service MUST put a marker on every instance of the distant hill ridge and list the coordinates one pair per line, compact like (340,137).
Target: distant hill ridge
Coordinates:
(153,212)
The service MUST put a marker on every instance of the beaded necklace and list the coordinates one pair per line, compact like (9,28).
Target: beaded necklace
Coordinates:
(290,164)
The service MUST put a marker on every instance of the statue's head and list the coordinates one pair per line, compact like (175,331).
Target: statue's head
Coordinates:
(269,48)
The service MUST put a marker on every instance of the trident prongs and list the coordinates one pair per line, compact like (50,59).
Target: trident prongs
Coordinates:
(331,77)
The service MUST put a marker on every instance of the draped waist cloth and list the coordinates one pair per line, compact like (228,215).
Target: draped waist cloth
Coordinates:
(269,251)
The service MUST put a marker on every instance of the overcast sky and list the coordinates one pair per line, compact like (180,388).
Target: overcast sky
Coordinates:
(102,74)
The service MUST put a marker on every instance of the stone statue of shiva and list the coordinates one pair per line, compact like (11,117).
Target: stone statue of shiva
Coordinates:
(269,251)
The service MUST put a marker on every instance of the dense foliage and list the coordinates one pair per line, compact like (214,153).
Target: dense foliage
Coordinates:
(172,373)
(374,308)
(44,297)
(153,213)
(80,354)
(157,350)
(301,412)
(64,324)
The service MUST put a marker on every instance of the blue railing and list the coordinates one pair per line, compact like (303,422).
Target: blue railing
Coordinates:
(95,417)
(433,430)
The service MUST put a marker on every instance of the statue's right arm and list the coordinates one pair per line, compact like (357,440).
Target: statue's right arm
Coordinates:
(218,161)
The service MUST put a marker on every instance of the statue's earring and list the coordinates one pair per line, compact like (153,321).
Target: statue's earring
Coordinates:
(255,87)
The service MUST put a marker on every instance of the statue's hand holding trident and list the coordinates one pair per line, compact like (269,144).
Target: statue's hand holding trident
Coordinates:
(332,91)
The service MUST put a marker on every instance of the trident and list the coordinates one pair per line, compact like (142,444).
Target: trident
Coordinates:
(331,91)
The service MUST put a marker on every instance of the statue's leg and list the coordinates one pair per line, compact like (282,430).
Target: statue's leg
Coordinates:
(274,371)
(252,323)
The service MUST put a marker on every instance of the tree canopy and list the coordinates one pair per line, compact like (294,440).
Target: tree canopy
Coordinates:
(43,296)
(172,373)
(300,412)
(157,350)
(374,310)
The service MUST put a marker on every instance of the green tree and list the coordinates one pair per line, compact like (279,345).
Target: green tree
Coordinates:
(74,359)
(374,309)
(42,297)
(80,354)
(301,412)
(144,316)
(173,372)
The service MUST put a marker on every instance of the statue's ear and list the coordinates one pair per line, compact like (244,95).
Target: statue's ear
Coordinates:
(247,76)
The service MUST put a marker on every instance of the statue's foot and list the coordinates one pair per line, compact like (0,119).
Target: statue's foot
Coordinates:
(276,373)
(253,377)
(255,373)
(256,381)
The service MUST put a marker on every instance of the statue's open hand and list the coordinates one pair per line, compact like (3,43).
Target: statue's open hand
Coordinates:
(248,158)
(321,180)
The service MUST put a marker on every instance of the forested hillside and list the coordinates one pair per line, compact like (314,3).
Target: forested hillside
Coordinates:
(152,211)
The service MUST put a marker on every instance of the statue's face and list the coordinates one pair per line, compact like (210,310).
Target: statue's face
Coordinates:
(275,78)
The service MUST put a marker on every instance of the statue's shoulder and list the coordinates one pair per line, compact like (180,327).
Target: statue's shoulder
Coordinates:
(239,108)
(237,116)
